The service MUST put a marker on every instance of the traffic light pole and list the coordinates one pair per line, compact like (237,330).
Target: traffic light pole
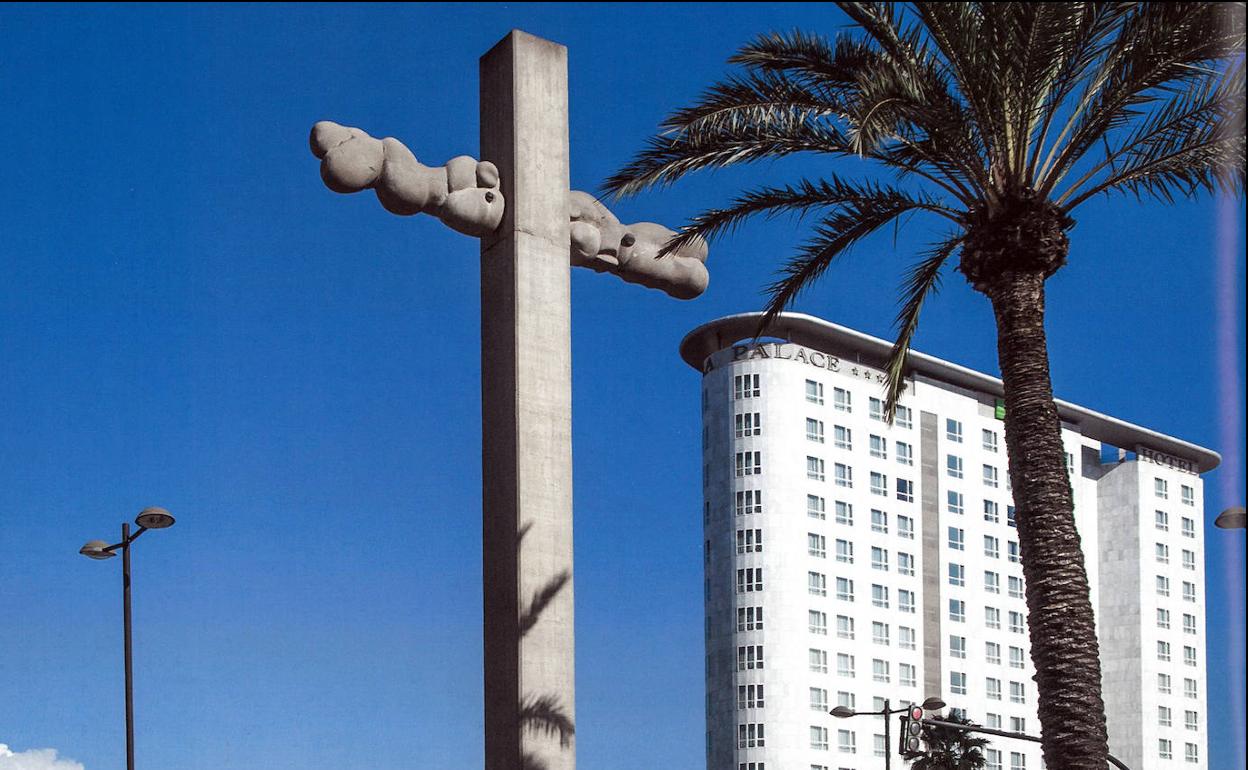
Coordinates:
(888,743)
(1004,734)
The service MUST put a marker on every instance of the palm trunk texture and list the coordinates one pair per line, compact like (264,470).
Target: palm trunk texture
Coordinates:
(1063,636)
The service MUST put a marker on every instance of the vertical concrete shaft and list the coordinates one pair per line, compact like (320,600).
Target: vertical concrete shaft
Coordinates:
(526,405)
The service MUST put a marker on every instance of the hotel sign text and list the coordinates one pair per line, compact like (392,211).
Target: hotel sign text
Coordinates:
(786,351)
(1170,461)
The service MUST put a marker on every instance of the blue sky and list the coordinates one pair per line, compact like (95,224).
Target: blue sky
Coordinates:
(190,319)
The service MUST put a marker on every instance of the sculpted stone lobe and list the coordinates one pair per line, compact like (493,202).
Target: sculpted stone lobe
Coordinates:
(465,195)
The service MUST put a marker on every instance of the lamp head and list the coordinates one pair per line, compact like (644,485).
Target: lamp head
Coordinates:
(842,712)
(1231,518)
(154,518)
(94,549)
(933,704)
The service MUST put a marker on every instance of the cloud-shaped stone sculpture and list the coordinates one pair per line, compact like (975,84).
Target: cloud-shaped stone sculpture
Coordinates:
(463,194)
(600,242)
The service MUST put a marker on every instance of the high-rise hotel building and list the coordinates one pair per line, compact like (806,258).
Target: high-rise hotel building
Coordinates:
(849,561)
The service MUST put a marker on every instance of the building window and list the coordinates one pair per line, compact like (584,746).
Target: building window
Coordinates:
(749,580)
(819,738)
(748,424)
(1010,519)
(817,583)
(844,513)
(1018,693)
(879,558)
(1162,553)
(1164,749)
(750,696)
(957,682)
(1191,720)
(1161,520)
(1189,688)
(879,484)
(1018,725)
(814,430)
(842,400)
(1018,761)
(957,610)
(749,619)
(1161,488)
(905,455)
(957,574)
(846,742)
(1189,656)
(1163,652)
(844,589)
(749,501)
(818,661)
(992,653)
(814,392)
(903,419)
(905,563)
(953,466)
(954,502)
(879,633)
(1016,622)
(745,386)
(876,410)
(905,637)
(846,699)
(844,665)
(905,600)
(817,622)
(1011,551)
(957,646)
(991,511)
(1191,752)
(1163,585)
(844,475)
(749,657)
(992,758)
(1189,591)
(1187,494)
(1163,684)
(905,527)
(1189,559)
(992,547)
(1016,587)
(1189,527)
(990,476)
(845,551)
(814,468)
(749,541)
(879,671)
(992,617)
(993,688)
(1016,657)
(879,447)
(953,431)
(905,490)
(1189,624)
(957,539)
(844,627)
(989,440)
(879,596)
(842,437)
(905,675)
(992,582)
(879,521)
(816,545)
(751,735)
(749,463)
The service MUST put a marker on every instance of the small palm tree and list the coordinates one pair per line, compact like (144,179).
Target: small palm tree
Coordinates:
(948,748)
(1001,119)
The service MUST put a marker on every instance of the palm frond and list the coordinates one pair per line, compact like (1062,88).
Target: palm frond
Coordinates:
(922,280)
(751,100)
(809,58)
(541,600)
(545,714)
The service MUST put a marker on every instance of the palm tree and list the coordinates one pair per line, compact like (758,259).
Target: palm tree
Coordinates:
(1001,119)
(947,748)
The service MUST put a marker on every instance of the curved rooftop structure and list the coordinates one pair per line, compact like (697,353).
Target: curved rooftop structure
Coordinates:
(809,331)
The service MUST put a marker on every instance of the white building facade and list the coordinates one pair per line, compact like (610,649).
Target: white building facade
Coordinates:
(852,562)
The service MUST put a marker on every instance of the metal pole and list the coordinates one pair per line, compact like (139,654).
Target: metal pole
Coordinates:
(888,744)
(125,603)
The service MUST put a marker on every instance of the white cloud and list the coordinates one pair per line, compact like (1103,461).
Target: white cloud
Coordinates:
(35,759)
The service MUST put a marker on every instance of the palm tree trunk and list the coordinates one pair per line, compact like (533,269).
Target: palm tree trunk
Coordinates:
(1063,637)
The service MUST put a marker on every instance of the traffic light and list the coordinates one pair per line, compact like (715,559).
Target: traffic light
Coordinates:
(911,726)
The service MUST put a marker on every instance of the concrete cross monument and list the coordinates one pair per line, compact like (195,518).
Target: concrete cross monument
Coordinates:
(516,199)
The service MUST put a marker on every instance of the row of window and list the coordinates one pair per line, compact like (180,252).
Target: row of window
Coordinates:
(1189,621)
(992,687)
(1161,552)
(817,546)
(1163,653)
(751,579)
(843,401)
(1165,750)
(1191,719)
(1190,687)
(816,508)
(1161,520)
(1161,489)
(1163,588)
(992,616)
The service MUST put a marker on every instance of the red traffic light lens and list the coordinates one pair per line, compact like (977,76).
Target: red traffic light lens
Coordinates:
(916,712)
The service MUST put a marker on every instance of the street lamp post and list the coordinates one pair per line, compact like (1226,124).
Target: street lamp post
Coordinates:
(844,712)
(148,518)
